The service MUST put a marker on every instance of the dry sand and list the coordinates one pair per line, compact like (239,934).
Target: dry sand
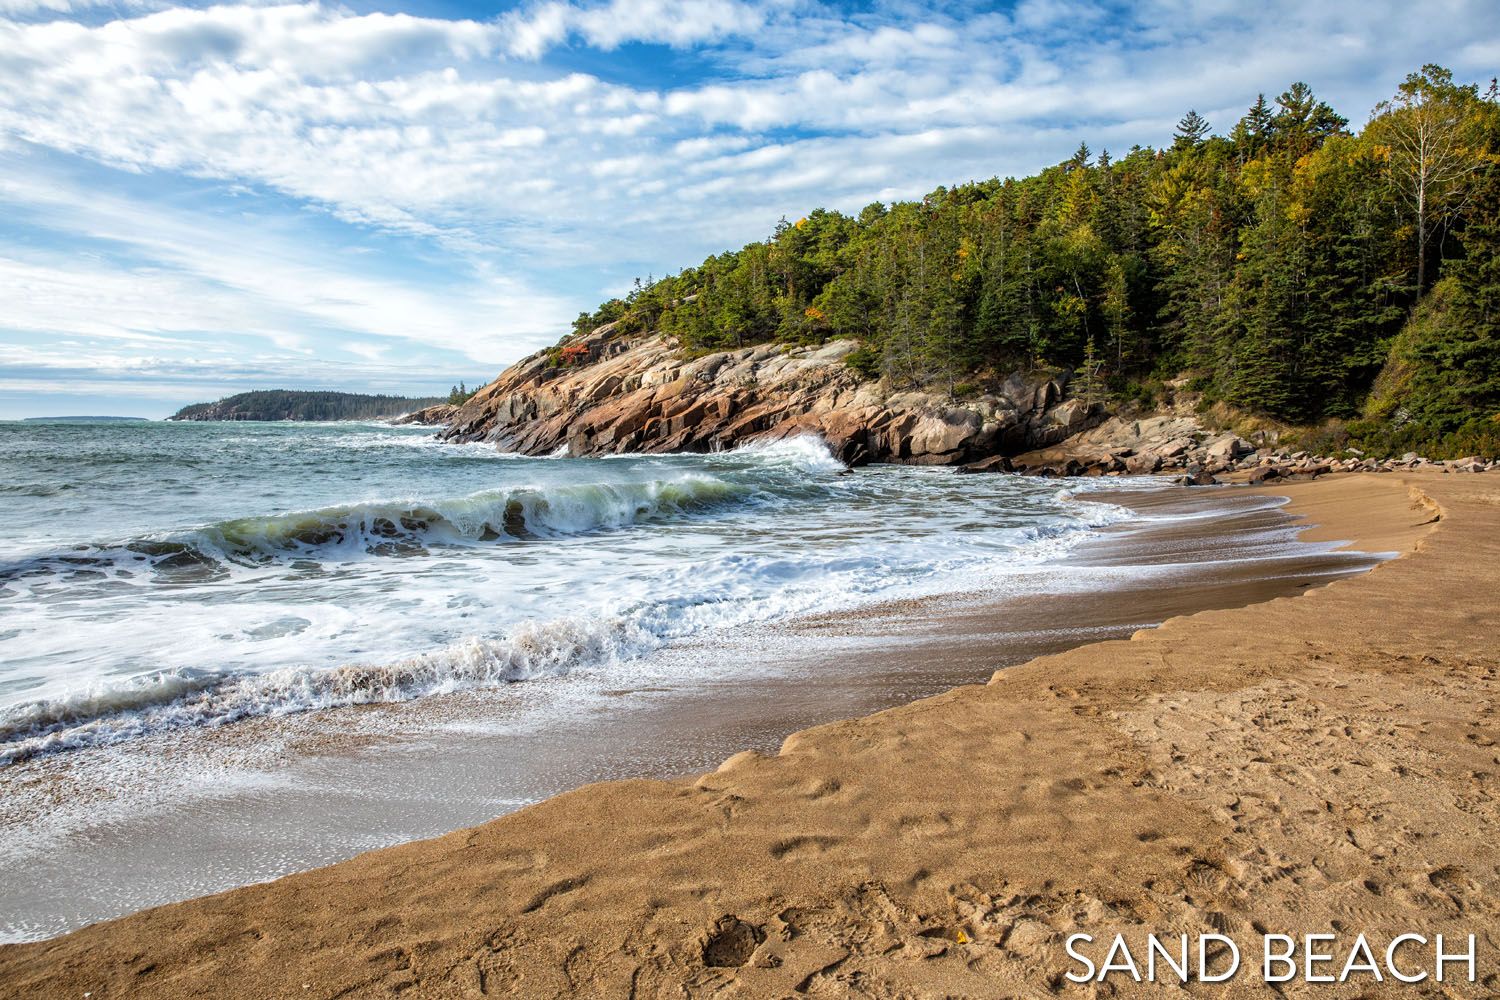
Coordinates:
(1326,761)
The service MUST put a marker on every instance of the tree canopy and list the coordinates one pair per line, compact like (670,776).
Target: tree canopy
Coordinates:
(1275,265)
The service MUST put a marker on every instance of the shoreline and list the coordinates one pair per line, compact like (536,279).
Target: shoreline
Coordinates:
(820,851)
(100,833)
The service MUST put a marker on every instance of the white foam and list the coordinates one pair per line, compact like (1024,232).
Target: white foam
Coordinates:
(392,599)
(804,451)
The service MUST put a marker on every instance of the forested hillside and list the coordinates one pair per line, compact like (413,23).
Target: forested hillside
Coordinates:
(1297,269)
(291,404)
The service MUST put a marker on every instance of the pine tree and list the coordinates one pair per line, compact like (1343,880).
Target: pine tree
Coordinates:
(1191,131)
(1304,122)
(1090,386)
(1252,133)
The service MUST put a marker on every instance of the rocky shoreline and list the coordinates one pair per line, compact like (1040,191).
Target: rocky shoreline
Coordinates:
(608,393)
(604,394)
(1200,457)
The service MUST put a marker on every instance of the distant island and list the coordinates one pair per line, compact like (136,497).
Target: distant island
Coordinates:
(80,420)
(288,404)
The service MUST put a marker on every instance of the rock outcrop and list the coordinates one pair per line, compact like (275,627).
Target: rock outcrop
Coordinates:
(437,415)
(1179,445)
(609,394)
(606,394)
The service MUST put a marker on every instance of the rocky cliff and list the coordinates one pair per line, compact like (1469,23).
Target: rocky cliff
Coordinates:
(606,394)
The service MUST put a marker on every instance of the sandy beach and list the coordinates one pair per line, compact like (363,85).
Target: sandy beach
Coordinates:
(1314,763)
(106,831)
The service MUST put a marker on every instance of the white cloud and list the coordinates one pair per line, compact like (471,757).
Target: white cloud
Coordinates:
(678,23)
(417,124)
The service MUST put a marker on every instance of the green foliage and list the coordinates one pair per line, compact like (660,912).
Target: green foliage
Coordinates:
(1275,266)
(864,361)
(1191,131)
(1439,391)
(460,394)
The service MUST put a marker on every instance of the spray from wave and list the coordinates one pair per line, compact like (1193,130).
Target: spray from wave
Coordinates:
(804,453)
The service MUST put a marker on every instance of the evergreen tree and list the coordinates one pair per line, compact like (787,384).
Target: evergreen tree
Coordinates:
(1303,122)
(1252,133)
(1191,131)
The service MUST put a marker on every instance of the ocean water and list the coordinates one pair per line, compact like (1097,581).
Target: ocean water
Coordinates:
(162,576)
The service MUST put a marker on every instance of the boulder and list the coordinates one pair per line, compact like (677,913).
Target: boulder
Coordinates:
(1063,421)
(941,432)
(1175,448)
(1227,448)
(996,463)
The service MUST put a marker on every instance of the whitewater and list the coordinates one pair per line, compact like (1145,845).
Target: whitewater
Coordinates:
(159,576)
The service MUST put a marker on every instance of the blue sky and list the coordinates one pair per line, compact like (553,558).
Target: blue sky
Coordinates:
(389,196)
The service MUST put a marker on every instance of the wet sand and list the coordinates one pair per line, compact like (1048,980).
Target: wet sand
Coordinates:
(1002,814)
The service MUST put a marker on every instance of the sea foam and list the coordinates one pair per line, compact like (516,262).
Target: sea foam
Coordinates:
(466,574)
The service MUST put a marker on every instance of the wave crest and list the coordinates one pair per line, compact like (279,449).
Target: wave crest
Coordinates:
(396,528)
(105,715)
(804,452)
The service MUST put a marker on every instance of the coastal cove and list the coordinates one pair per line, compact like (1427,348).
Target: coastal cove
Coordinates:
(1057,804)
(749,500)
(102,831)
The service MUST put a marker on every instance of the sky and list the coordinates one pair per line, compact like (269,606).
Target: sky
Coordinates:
(392,196)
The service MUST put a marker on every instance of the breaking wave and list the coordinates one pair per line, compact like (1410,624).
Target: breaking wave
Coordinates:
(396,528)
(289,612)
(117,712)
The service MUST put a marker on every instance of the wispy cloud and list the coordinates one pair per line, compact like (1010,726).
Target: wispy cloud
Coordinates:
(248,277)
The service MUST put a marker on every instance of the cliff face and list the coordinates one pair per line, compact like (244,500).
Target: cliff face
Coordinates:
(603,394)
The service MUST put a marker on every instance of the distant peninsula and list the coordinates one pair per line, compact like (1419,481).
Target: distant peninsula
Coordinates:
(289,404)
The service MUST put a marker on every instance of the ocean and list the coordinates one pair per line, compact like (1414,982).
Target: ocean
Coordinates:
(231,651)
(174,575)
